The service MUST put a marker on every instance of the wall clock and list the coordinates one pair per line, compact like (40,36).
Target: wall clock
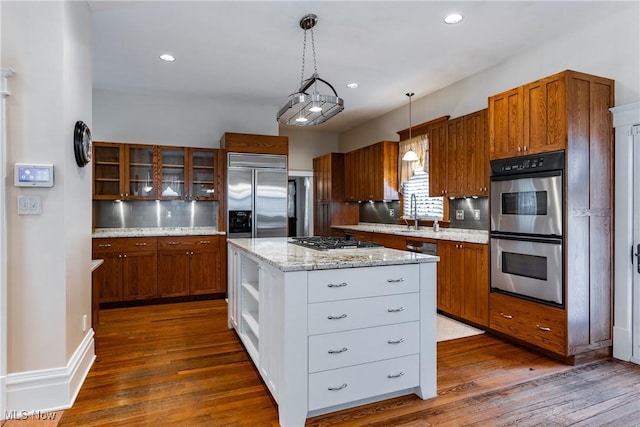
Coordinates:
(82,143)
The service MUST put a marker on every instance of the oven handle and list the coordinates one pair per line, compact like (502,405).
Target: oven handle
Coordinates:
(554,240)
(517,175)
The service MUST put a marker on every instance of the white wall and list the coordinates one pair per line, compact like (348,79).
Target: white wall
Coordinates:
(608,48)
(48,44)
(305,145)
(168,119)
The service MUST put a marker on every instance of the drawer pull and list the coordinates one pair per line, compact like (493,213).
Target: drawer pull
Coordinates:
(141,244)
(337,285)
(173,243)
(395,280)
(105,245)
(337,388)
(204,242)
(398,375)
(543,328)
(342,350)
(395,310)
(401,340)
(506,316)
(342,316)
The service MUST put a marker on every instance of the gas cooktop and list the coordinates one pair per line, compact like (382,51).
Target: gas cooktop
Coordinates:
(325,243)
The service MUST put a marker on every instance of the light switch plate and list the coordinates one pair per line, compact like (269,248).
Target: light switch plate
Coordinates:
(459,214)
(476,214)
(29,205)
(392,212)
(23,205)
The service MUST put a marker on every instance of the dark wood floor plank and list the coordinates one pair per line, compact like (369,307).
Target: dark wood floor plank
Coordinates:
(179,365)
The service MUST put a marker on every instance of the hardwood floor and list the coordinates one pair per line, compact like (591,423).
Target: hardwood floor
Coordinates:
(179,365)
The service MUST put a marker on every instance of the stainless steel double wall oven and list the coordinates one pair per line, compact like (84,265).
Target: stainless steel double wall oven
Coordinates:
(527,222)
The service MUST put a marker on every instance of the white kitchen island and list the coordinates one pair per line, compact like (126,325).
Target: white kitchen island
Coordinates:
(333,329)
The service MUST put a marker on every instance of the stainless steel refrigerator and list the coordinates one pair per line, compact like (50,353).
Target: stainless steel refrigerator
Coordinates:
(256,195)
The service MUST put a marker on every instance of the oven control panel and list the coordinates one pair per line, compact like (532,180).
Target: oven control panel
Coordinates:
(524,164)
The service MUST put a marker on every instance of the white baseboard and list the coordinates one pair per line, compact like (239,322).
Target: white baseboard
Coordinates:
(50,389)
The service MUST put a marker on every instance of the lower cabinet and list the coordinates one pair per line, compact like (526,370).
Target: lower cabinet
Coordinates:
(129,271)
(463,280)
(158,267)
(189,265)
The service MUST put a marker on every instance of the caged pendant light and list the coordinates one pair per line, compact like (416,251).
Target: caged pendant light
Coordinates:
(307,109)
(410,156)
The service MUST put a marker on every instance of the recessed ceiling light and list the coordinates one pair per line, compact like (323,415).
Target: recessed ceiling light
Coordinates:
(352,85)
(453,18)
(166,57)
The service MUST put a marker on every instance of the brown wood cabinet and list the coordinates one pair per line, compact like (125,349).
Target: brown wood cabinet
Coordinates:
(463,280)
(569,111)
(534,118)
(458,161)
(129,271)
(372,172)
(153,172)
(250,143)
(329,206)
(189,265)
(158,267)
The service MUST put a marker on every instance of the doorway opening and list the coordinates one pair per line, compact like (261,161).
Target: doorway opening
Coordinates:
(299,205)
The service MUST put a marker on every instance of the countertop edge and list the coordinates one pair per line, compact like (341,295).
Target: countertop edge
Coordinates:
(458,234)
(101,233)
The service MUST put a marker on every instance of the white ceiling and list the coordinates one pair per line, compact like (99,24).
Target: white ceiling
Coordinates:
(252,50)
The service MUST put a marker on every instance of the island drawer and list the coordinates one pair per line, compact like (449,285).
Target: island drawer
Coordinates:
(347,283)
(343,385)
(340,349)
(336,316)
(531,322)
(201,243)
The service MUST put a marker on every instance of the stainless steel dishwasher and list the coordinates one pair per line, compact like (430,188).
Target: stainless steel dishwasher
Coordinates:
(427,248)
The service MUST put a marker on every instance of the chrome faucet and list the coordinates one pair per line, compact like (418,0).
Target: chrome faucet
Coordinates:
(413,207)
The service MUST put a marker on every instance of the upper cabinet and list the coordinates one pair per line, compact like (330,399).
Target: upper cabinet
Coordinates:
(533,118)
(258,144)
(372,172)
(458,152)
(149,172)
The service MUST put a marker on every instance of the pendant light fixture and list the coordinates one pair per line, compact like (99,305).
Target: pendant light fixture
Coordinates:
(410,156)
(303,108)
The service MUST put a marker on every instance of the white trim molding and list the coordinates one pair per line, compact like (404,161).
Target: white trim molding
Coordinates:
(51,389)
(5,73)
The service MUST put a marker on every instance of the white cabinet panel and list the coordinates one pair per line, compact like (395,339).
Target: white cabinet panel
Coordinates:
(331,351)
(357,382)
(335,316)
(331,285)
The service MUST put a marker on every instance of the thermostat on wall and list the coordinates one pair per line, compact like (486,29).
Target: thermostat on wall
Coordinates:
(26,175)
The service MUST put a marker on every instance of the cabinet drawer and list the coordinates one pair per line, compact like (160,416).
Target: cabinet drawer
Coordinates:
(124,244)
(336,316)
(347,283)
(200,243)
(357,382)
(537,324)
(340,349)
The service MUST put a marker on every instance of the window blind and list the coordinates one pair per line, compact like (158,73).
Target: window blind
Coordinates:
(427,207)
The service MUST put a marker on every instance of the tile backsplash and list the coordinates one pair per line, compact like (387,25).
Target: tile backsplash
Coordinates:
(470,213)
(380,212)
(151,213)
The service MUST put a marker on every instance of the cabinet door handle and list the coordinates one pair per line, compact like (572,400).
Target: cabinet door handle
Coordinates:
(204,242)
(543,328)
(506,316)
(141,244)
(395,310)
(398,375)
(105,245)
(395,280)
(519,149)
(173,243)
(124,256)
(332,317)
(342,350)
(525,148)
(336,285)
(401,340)
(331,388)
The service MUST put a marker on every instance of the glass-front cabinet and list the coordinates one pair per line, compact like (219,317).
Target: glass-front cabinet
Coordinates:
(172,173)
(203,174)
(141,172)
(108,171)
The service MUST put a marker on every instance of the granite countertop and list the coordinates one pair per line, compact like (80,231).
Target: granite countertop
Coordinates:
(155,231)
(95,263)
(457,234)
(286,256)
